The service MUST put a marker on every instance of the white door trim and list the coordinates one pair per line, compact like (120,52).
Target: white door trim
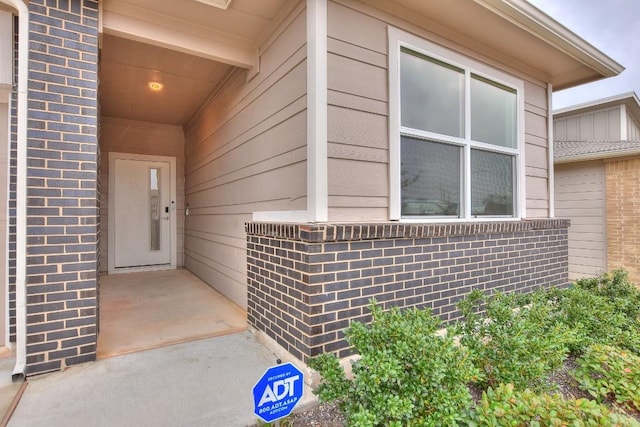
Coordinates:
(173,251)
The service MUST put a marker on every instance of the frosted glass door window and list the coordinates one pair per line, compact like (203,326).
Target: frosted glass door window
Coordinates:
(155,208)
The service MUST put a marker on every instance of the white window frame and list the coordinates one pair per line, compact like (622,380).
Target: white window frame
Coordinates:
(399,39)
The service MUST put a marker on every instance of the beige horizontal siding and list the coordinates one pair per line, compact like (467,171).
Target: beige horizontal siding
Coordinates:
(246,152)
(579,194)
(358,122)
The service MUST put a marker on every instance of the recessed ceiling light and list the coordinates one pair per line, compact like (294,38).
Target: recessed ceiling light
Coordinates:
(222,4)
(156,86)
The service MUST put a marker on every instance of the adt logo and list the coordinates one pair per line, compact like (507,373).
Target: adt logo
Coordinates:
(277,392)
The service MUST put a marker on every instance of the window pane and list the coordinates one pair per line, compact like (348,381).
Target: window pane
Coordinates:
(493,113)
(430,178)
(154,208)
(432,95)
(491,183)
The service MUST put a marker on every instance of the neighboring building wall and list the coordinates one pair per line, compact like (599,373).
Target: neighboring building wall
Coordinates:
(358,125)
(602,125)
(307,282)
(580,197)
(62,197)
(623,215)
(128,136)
(633,130)
(246,152)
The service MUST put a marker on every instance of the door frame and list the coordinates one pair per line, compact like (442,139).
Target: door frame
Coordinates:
(173,250)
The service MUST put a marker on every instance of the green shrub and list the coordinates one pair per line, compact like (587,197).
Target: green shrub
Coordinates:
(513,344)
(503,406)
(601,310)
(608,372)
(406,376)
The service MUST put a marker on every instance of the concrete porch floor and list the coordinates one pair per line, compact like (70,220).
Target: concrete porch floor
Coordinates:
(145,310)
(205,379)
(204,383)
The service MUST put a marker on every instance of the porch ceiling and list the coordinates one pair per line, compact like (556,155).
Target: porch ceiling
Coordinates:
(127,67)
(187,46)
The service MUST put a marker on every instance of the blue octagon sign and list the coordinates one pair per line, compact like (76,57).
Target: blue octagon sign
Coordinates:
(277,392)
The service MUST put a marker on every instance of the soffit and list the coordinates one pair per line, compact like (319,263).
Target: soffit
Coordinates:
(227,35)
(512,32)
(188,46)
(126,68)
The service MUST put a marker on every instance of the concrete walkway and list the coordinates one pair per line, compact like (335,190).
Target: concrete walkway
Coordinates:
(199,383)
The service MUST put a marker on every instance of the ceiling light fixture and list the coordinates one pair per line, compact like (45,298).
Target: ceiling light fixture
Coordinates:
(222,4)
(155,86)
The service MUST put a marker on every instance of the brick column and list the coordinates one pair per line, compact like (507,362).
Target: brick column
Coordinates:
(11,192)
(62,196)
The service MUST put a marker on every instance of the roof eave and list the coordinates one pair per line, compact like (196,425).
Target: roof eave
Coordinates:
(596,156)
(629,98)
(533,20)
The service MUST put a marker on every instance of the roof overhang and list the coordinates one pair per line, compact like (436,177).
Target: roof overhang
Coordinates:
(590,63)
(628,99)
(512,32)
(226,31)
(596,156)
(583,151)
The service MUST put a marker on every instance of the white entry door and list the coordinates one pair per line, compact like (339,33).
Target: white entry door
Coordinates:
(143,209)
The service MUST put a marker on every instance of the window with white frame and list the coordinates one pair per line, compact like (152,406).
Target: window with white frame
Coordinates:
(455,134)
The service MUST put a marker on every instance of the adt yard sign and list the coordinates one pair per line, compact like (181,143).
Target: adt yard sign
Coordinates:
(277,392)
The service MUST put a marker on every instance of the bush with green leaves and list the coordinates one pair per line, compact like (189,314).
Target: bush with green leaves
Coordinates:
(407,374)
(504,406)
(608,372)
(600,310)
(510,343)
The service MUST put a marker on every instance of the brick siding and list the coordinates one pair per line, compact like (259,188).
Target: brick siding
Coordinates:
(307,282)
(11,192)
(62,196)
(622,189)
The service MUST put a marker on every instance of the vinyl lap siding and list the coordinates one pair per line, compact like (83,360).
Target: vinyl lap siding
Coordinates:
(536,150)
(633,130)
(246,152)
(580,197)
(358,141)
(358,146)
